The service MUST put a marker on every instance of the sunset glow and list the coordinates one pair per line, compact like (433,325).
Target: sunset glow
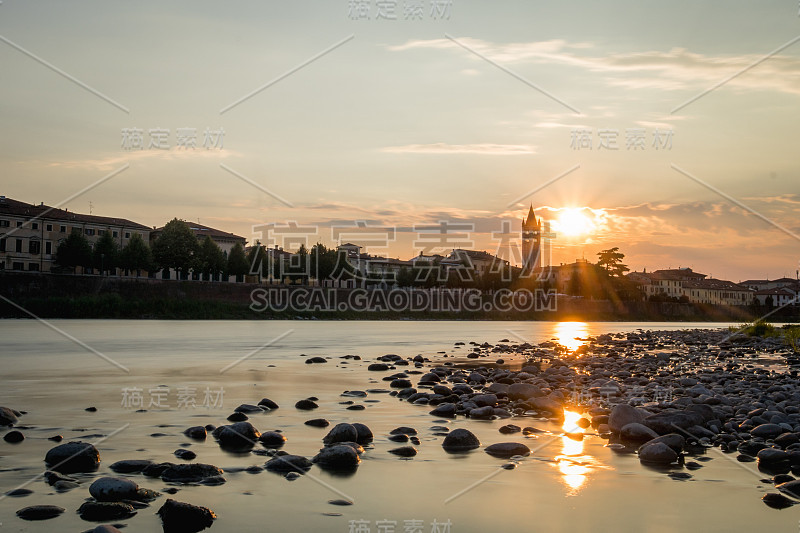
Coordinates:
(573,222)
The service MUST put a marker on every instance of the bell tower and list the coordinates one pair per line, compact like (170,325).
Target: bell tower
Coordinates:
(531,242)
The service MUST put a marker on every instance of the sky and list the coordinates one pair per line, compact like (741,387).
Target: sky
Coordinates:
(413,131)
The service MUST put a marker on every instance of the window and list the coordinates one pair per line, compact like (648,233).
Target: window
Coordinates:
(33,267)
(35,225)
(49,227)
(18,247)
(3,244)
(127,234)
(48,248)
(115,234)
(3,223)
(18,265)
(19,224)
(89,232)
(35,247)
(62,229)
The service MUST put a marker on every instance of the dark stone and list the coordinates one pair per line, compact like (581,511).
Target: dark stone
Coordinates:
(306,405)
(404,451)
(364,434)
(337,457)
(113,489)
(73,457)
(313,360)
(460,440)
(343,432)
(196,433)
(40,512)
(657,453)
(767,431)
(248,408)
(403,430)
(288,463)
(445,410)
(318,423)
(19,493)
(186,455)
(269,404)
(777,501)
(398,438)
(507,449)
(510,428)
(378,367)
(13,437)
(238,435)
(179,517)
(156,469)
(272,439)
(7,417)
(237,417)
(190,473)
(102,511)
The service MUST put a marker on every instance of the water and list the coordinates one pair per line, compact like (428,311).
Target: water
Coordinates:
(591,488)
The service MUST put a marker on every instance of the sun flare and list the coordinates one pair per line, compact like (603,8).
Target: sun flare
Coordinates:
(573,222)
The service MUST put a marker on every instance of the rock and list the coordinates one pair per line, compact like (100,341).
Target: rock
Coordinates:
(39,512)
(657,453)
(272,439)
(668,421)
(19,493)
(767,456)
(637,432)
(673,440)
(318,423)
(337,457)
(398,438)
(364,434)
(13,437)
(767,431)
(105,528)
(240,434)
(102,511)
(547,405)
(482,413)
(73,457)
(506,450)
(777,501)
(113,489)
(64,486)
(343,432)
(523,391)
(460,440)
(191,473)
(186,455)
(404,451)
(403,430)
(7,417)
(792,488)
(316,360)
(306,405)
(378,367)
(156,469)
(445,410)
(622,415)
(196,433)
(400,383)
(180,517)
(430,377)
(484,400)
(130,466)
(237,417)
(510,428)
(269,404)
(288,463)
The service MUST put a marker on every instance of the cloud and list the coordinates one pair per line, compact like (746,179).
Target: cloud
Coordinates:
(676,69)
(111,162)
(479,149)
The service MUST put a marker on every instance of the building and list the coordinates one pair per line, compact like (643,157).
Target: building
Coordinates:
(30,234)
(478,262)
(531,242)
(778,297)
(684,283)
(223,239)
(372,266)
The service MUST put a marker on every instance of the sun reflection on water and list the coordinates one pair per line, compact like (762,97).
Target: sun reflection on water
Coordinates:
(573,464)
(568,334)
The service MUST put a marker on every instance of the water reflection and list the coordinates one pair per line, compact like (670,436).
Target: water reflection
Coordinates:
(573,464)
(568,334)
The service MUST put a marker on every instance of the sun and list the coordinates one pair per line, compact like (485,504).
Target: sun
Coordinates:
(573,222)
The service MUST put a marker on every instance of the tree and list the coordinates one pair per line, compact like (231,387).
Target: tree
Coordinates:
(405,278)
(210,259)
(136,255)
(258,260)
(176,247)
(237,262)
(106,253)
(74,252)
(323,262)
(611,260)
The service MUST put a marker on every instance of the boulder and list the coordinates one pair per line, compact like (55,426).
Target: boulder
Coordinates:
(240,434)
(341,433)
(272,439)
(363,433)
(113,489)
(637,432)
(460,440)
(767,431)
(622,415)
(73,457)
(338,456)
(130,466)
(657,453)
(523,391)
(40,512)
(191,473)
(179,517)
(288,463)
(506,450)
(8,418)
(102,511)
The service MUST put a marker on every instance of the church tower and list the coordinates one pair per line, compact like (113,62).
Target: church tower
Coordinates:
(531,242)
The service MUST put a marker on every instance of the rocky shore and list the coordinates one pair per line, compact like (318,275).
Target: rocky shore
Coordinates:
(676,399)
